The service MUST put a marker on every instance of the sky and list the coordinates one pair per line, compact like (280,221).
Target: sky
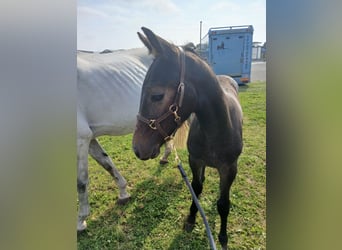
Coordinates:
(113,24)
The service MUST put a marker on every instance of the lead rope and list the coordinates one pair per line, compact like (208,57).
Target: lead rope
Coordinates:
(185,178)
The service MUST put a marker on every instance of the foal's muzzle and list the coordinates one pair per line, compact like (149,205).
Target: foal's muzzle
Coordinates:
(146,143)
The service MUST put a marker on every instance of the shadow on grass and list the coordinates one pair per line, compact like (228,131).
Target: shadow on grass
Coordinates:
(128,226)
(243,87)
(198,238)
(137,224)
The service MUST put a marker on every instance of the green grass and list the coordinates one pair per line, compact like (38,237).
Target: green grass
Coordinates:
(153,219)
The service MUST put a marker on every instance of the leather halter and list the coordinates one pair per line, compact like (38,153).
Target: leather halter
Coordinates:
(173,108)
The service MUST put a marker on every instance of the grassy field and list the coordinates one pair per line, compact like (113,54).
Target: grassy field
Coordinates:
(153,219)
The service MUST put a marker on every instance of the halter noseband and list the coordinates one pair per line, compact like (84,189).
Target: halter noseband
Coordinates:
(173,108)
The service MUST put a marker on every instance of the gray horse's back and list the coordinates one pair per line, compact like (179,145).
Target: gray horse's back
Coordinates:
(109,87)
(228,84)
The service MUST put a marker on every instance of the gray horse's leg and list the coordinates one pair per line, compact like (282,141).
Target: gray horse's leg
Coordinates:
(168,150)
(82,182)
(98,153)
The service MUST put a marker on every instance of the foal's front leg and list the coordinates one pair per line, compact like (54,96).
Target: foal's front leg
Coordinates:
(98,153)
(198,169)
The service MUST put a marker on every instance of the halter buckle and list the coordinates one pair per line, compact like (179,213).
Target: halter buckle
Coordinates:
(173,109)
(152,124)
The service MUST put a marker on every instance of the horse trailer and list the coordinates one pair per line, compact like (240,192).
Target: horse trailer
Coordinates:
(228,51)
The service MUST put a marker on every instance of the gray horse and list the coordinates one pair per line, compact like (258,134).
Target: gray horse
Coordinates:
(108,93)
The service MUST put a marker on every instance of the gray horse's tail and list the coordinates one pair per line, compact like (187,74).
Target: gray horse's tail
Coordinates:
(181,136)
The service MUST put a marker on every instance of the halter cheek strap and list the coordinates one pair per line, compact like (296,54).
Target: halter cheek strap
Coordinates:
(173,108)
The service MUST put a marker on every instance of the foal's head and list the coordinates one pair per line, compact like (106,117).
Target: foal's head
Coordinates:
(166,101)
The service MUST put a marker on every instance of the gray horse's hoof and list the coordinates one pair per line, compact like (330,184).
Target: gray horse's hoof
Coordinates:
(81,226)
(123,201)
(163,162)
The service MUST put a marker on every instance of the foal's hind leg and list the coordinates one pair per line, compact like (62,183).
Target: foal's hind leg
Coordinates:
(198,169)
(98,153)
(227,176)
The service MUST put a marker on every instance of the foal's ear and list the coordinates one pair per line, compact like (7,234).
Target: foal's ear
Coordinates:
(155,44)
(145,42)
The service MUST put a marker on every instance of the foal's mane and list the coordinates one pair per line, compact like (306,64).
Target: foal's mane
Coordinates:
(189,47)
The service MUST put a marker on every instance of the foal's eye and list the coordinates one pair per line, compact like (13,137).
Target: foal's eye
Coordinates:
(157,98)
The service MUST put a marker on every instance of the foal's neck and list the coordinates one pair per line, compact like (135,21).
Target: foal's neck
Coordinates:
(211,109)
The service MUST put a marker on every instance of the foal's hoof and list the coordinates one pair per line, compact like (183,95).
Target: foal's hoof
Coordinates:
(223,239)
(163,162)
(123,201)
(188,227)
(189,223)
